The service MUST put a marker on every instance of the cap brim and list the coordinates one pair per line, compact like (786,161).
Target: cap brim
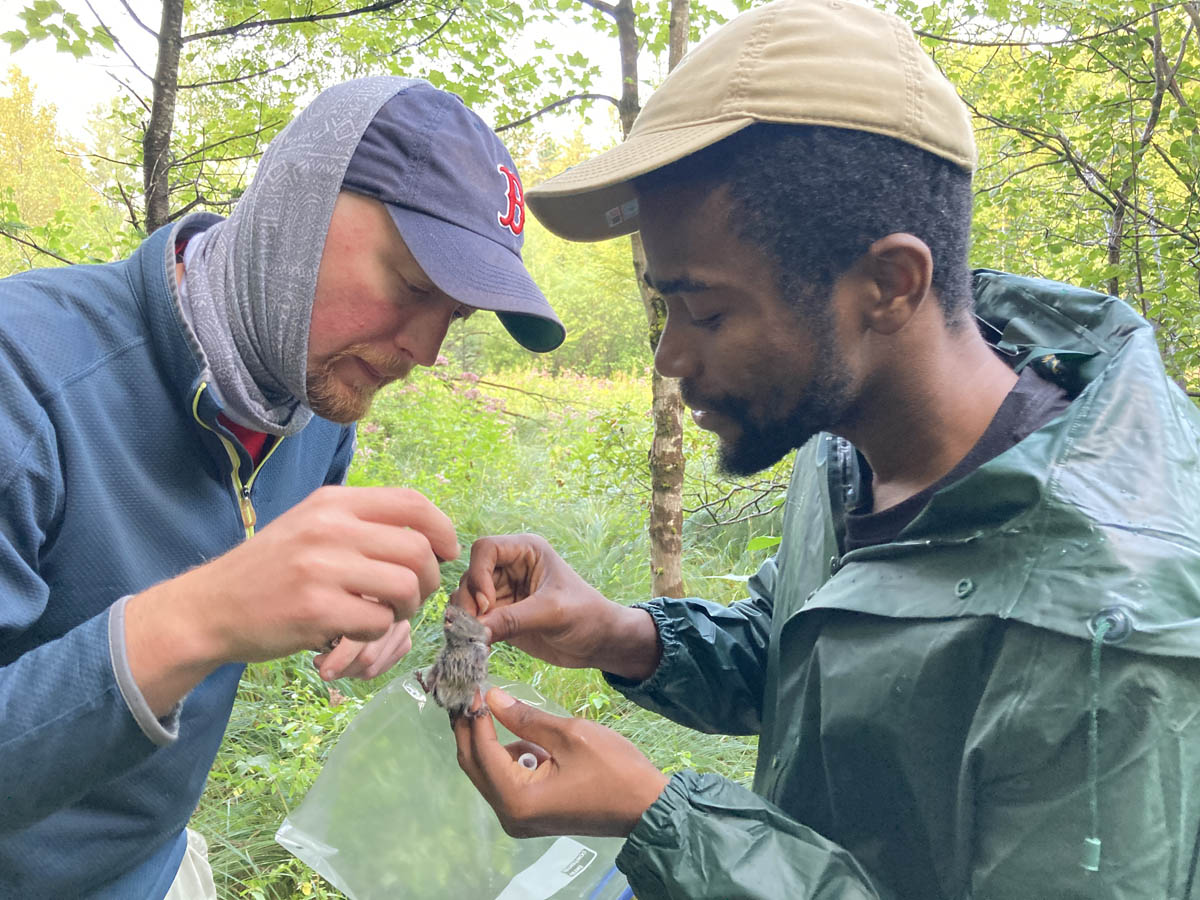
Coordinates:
(595,200)
(480,273)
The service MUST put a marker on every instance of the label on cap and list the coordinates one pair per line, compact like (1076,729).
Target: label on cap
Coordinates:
(622,213)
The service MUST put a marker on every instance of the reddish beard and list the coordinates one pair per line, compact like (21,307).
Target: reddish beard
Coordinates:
(338,401)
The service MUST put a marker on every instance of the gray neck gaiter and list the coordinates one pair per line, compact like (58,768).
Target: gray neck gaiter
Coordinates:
(250,280)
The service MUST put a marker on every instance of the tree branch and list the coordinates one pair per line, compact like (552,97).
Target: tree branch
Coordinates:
(1011,175)
(187,208)
(117,42)
(129,9)
(125,198)
(1061,42)
(28,243)
(1173,71)
(1183,179)
(136,95)
(236,137)
(1193,10)
(508,387)
(555,105)
(204,84)
(116,162)
(253,24)
(607,8)
(429,37)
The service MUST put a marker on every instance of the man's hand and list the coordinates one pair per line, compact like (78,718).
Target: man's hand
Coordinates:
(346,561)
(523,593)
(366,659)
(589,779)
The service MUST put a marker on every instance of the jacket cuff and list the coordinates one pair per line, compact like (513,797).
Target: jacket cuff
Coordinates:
(657,830)
(162,731)
(671,646)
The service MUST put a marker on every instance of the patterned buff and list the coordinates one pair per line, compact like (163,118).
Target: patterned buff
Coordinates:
(250,279)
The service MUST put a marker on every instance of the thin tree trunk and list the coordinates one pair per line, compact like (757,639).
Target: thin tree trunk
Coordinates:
(666,450)
(156,143)
(666,453)
(1115,233)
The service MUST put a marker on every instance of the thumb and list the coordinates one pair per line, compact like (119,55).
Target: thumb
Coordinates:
(511,620)
(526,721)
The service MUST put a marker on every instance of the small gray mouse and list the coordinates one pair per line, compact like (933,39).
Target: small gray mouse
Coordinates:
(461,667)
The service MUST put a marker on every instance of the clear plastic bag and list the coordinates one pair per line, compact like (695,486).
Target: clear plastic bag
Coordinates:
(392,816)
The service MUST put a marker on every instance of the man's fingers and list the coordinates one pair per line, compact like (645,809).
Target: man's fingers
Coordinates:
(405,507)
(367,660)
(526,721)
(363,620)
(512,620)
(332,664)
(397,587)
(405,548)
(480,754)
(476,603)
(477,585)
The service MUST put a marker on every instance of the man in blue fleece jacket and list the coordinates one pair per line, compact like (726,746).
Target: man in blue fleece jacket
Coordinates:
(157,412)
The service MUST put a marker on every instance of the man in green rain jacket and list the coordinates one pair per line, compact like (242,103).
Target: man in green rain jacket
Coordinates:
(973,663)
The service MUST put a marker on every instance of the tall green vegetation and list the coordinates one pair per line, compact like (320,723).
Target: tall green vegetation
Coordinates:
(51,209)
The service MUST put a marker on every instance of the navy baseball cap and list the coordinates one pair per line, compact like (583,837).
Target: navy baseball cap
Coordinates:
(452,190)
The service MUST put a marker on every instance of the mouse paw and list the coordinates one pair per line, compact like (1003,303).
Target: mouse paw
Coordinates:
(476,713)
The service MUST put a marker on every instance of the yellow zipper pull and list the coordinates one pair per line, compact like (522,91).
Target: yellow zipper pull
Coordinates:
(249,517)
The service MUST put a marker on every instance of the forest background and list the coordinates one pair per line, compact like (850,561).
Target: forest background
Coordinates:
(1086,119)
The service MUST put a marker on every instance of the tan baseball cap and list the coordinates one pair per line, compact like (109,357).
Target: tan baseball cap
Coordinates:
(807,62)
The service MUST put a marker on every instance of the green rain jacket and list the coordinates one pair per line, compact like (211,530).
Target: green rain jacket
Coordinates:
(968,711)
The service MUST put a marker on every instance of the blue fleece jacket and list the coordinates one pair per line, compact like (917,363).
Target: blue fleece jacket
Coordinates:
(109,483)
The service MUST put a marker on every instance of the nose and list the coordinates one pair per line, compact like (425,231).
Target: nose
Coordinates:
(673,358)
(423,337)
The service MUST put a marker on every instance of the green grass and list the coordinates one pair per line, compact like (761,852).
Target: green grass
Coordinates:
(561,456)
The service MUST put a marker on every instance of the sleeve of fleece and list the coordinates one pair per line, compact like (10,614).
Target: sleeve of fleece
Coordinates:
(66,724)
(706,838)
(714,658)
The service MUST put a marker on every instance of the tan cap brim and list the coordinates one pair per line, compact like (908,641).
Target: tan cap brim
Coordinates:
(595,200)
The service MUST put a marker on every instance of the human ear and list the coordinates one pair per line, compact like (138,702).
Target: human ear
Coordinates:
(901,267)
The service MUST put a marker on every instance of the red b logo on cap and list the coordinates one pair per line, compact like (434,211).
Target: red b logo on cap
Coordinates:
(513,218)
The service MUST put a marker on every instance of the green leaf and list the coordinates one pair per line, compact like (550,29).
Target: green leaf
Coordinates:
(15,39)
(762,542)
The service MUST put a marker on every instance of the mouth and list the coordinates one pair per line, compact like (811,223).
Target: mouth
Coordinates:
(378,376)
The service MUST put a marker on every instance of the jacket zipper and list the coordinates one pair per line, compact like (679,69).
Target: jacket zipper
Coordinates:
(240,490)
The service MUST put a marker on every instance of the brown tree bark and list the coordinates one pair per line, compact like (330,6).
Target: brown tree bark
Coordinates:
(156,142)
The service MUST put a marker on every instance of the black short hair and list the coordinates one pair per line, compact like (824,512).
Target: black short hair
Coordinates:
(816,197)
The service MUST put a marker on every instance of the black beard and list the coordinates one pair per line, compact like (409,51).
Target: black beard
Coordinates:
(824,403)
(760,446)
